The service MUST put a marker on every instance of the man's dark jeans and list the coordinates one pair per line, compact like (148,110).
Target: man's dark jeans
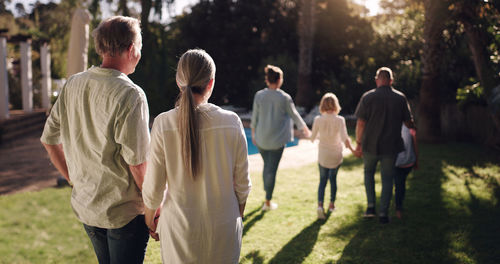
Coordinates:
(121,245)
(387,174)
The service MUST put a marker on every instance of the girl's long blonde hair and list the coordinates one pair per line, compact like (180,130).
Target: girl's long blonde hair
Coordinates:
(194,71)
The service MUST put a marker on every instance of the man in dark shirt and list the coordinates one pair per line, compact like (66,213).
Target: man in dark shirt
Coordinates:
(380,114)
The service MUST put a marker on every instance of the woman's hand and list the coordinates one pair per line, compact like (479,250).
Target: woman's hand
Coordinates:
(306,132)
(254,142)
(152,217)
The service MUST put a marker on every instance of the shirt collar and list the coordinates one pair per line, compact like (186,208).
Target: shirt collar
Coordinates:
(106,71)
(384,87)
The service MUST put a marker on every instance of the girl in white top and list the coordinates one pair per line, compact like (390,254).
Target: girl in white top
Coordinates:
(332,137)
(199,154)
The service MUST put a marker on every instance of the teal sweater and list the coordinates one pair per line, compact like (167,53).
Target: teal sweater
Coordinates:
(273,112)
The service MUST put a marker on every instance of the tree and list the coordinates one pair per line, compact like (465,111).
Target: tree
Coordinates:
(3,5)
(20,9)
(477,18)
(305,29)
(429,121)
(242,36)
(344,54)
(471,14)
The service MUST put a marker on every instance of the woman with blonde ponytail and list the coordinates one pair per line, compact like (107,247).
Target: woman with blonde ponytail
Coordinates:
(197,172)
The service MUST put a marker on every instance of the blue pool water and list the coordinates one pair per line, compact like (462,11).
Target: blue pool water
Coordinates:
(252,149)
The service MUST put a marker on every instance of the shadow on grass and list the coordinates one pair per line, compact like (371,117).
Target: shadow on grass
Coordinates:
(247,224)
(436,228)
(482,224)
(254,257)
(297,249)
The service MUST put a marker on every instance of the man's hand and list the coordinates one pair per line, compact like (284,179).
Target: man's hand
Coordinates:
(360,128)
(56,155)
(358,151)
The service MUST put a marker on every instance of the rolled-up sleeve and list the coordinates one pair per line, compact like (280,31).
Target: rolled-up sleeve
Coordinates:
(292,112)
(343,131)
(156,174)
(255,112)
(242,182)
(132,131)
(360,111)
(52,130)
(315,128)
(406,110)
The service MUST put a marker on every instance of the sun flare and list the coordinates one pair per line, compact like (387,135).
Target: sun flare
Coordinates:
(372,5)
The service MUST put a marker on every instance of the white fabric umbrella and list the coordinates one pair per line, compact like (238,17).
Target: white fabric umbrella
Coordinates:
(78,42)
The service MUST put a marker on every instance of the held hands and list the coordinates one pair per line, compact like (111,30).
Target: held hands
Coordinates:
(153,225)
(358,151)
(306,132)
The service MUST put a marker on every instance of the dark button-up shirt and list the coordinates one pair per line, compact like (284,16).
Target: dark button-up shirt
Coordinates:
(384,109)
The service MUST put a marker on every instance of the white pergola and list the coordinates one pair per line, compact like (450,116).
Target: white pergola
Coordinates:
(26,74)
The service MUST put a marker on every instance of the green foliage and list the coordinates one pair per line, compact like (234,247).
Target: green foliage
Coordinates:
(400,35)
(244,35)
(287,64)
(156,71)
(471,94)
(7,21)
(55,22)
(476,23)
(342,61)
(239,35)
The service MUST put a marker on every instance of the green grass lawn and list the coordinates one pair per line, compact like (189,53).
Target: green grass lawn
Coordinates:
(452,216)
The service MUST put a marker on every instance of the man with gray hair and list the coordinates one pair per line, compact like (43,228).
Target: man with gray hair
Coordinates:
(381,112)
(97,136)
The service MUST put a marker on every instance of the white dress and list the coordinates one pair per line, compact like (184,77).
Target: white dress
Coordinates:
(200,221)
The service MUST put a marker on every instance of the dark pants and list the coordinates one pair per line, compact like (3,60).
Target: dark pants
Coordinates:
(326,174)
(386,172)
(271,161)
(400,184)
(121,245)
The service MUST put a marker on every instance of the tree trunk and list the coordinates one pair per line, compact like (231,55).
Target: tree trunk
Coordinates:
(429,115)
(145,10)
(476,40)
(482,65)
(306,40)
(123,8)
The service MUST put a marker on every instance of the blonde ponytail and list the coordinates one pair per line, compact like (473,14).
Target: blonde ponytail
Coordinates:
(194,71)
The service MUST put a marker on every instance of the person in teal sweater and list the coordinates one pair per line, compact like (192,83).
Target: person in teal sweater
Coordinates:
(272,127)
